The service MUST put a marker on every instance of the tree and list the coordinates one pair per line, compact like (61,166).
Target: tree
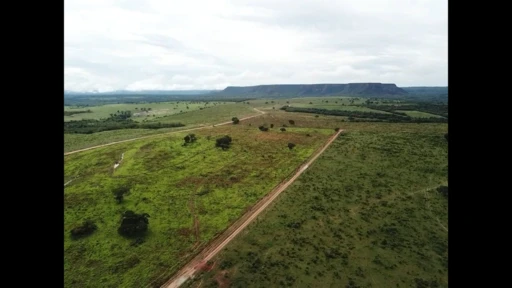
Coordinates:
(263,128)
(271,125)
(443,190)
(337,129)
(87,228)
(283,129)
(223,142)
(235,120)
(133,224)
(119,193)
(190,138)
(291,145)
(291,122)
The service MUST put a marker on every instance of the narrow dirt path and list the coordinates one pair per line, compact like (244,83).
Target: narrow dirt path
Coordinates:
(223,239)
(157,135)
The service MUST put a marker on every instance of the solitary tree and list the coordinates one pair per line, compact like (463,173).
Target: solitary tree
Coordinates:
(271,125)
(190,138)
(283,129)
(263,128)
(337,129)
(133,224)
(223,142)
(291,145)
(235,120)
(291,122)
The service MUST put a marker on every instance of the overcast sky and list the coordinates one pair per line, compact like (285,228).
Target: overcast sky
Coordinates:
(211,44)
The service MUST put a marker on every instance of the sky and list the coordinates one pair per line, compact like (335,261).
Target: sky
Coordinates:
(211,44)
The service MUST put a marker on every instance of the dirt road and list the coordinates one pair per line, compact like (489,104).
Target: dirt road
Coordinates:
(156,135)
(217,244)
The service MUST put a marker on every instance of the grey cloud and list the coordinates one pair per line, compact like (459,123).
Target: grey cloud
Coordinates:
(330,41)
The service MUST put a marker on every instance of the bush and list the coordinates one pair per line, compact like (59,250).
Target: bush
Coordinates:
(291,145)
(282,129)
(223,142)
(87,228)
(443,190)
(263,128)
(120,192)
(235,120)
(133,224)
(190,138)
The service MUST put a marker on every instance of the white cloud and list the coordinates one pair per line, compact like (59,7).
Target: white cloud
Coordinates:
(162,44)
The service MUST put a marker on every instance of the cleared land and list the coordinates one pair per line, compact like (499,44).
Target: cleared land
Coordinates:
(365,214)
(191,193)
(194,266)
(157,109)
(191,119)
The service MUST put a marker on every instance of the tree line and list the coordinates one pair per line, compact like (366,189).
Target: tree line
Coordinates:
(358,116)
(116,121)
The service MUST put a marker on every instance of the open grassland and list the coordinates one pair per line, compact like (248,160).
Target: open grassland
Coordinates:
(282,118)
(191,193)
(365,214)
(197,118)
(339,107)
(157,109)
(419,114)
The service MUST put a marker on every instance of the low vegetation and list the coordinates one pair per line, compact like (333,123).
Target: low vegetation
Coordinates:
(365,214)
(192,193)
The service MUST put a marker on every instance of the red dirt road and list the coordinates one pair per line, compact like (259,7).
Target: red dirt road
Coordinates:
(156,135)
(223,239)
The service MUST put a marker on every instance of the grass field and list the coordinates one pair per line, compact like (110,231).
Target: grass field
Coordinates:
(205,117)
(419,114)
(330,103)
(339,107)
(157,109)
(365,214)
(190,192)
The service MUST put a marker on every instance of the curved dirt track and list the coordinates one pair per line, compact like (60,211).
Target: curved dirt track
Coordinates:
(222,240)
(156,135)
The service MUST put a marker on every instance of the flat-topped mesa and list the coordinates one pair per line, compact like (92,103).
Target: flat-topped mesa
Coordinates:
(370,89)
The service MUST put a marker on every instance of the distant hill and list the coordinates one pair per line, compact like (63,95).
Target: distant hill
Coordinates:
(298,90)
